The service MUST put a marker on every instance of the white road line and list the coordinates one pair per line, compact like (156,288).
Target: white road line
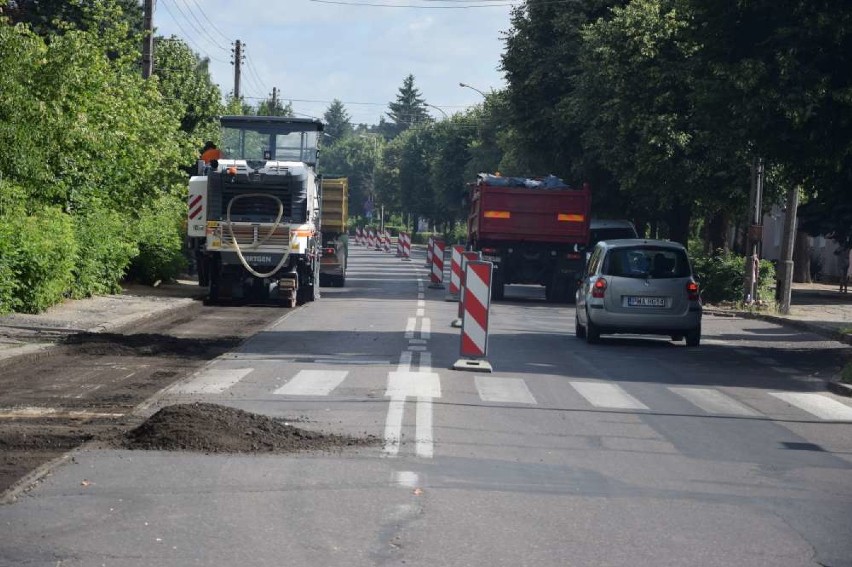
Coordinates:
(819,405)
(404,361)
(417,341)
(213,381)
(416,348)
(409,327)
(713,401)
(425,446)
(504,390)
(421,296)
(393,426)
(607,395)
(421,312)
(408,479)
(421,303)
(312,383)
(426,328)
(786,370)
(425,362)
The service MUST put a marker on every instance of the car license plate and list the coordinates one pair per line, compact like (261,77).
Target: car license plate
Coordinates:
(637,301)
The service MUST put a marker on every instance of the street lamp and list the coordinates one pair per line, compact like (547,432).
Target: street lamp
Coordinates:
(438,108)
(465,85)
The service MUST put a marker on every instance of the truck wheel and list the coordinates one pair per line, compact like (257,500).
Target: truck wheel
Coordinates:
(569,292)
(339,281)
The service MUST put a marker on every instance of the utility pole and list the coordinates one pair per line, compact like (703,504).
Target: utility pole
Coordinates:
(785,278)
(755,231)
(274,109)
(148,39)
(237,52)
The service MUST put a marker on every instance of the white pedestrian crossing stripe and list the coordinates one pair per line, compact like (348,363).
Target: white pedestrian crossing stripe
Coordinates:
(607,396)
(313,383)
(819,405)
(713,401)
(212,381)
(503,390)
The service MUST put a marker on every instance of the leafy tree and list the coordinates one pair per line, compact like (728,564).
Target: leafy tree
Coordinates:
(408,110)
(184,80)
(357,158)
(338,123)
(47,17)
(268,107)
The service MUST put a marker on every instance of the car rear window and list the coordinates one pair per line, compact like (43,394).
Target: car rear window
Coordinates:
(614,233)
(647,262)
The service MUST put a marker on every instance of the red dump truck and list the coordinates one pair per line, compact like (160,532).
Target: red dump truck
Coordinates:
(532,229)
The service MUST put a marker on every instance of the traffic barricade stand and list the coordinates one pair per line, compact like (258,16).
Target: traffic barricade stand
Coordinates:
(378,239)
(437,275)
(399,241)
(406,247)
(359,236)
(371,238)
(455,272)
(476,303)
(429,244)
(467,256)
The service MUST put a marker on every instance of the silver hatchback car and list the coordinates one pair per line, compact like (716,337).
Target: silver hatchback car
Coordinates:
(639,286)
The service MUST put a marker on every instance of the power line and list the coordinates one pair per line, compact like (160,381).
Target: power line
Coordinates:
(485,4)
(212,25)
(187,35)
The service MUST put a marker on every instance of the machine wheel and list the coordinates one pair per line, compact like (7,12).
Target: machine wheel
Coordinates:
(693,337)
(593,334)
(579,330)
(214,278)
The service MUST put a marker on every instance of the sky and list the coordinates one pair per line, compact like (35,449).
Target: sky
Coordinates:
(356,51)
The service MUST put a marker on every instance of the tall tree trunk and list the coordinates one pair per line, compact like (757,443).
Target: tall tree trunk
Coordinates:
(680,216)
(717,231)
(802,259)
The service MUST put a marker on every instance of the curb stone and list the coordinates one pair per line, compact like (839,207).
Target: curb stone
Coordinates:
(840,388)
(801,325)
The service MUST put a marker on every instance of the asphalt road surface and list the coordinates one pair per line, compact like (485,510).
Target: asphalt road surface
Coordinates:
(634,452)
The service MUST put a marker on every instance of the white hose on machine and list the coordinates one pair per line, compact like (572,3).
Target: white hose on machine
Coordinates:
(275,226)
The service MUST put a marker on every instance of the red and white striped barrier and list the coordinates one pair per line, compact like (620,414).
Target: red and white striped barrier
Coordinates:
(455,272)
(437,274)
(466,257)
(372,238)
(399,239)
(406,247)
(476,304)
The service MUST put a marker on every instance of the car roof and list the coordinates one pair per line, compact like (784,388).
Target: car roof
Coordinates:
(610,223)
(631,242)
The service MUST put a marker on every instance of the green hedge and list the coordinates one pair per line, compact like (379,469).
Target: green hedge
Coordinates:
(106,247)
(721,277)
(38,253)
(160,239)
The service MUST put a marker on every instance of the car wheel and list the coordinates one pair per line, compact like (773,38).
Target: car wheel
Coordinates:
(593,334)
(693,337)
(579,330)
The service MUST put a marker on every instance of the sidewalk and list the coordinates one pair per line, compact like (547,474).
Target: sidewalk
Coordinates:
(817,308)
(22,334)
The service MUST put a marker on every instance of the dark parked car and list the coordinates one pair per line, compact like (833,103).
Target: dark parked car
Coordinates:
(639,287)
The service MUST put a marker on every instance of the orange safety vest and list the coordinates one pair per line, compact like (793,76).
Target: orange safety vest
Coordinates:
(211,154)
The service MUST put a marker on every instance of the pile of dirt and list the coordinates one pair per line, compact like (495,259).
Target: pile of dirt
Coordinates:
(211,428)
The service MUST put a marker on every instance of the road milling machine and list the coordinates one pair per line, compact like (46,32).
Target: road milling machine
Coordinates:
(254,212)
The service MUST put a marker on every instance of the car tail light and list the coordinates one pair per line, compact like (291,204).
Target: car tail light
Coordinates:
(328,251)
(692,291)
(573,255)
(599,289)
(489,251)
